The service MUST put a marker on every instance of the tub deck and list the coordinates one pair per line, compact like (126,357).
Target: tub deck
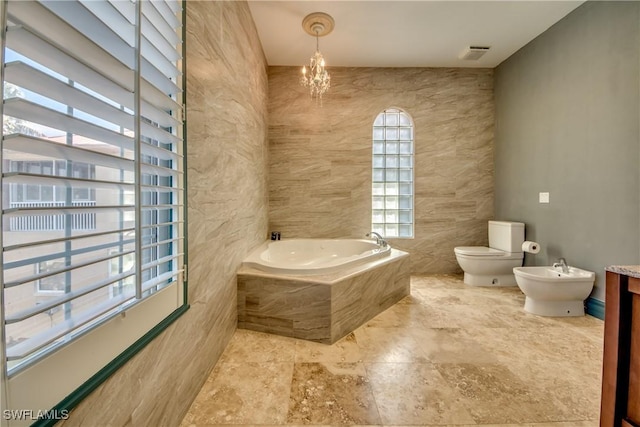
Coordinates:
(321,308)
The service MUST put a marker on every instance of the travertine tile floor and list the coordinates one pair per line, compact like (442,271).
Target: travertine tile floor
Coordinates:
(449,354)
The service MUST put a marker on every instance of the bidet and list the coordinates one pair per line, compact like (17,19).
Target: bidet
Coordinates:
(550,291)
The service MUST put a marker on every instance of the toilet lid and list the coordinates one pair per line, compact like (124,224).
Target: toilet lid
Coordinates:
(478,251)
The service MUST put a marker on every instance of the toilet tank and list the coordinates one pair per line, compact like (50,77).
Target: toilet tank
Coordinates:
(506,236)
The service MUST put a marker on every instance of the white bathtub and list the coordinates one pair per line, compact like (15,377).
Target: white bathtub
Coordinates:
(313,256)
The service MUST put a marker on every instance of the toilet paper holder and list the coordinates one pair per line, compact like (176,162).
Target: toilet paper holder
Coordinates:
(530,247)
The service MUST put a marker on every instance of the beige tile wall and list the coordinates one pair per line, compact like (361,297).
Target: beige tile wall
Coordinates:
(227,198)
(320,157)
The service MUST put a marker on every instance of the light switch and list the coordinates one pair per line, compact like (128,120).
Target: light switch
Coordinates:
(544,197)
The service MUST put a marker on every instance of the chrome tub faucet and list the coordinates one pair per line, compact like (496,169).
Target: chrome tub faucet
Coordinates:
(379,239)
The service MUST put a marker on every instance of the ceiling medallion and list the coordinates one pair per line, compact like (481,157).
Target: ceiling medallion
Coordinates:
(316,78)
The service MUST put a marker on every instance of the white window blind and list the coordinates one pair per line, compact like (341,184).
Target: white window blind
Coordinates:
(92,131)
(392,189)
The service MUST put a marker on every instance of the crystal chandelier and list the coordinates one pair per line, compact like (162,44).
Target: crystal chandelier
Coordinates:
(316,78)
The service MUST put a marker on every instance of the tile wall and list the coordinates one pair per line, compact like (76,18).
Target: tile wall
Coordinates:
(320,157)
(227,207)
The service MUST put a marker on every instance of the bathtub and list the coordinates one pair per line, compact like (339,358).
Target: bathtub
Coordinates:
(313,256)
(319,289)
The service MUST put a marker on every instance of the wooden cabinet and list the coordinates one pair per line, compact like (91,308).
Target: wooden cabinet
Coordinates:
(620,405)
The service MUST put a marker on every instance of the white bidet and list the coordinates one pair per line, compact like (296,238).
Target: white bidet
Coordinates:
(550,292)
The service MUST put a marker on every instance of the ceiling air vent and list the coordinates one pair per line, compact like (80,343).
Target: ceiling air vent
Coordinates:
(473,53)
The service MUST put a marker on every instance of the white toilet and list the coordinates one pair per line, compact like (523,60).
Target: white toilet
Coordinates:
(493,266)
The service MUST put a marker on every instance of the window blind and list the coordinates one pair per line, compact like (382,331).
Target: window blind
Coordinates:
(93,88)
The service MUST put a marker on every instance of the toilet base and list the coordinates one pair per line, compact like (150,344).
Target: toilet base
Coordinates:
(490,280)
(554,308)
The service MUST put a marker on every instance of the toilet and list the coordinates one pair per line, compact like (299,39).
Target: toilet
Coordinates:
(493,266)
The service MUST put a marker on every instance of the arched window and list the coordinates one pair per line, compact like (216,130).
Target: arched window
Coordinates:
(392,189)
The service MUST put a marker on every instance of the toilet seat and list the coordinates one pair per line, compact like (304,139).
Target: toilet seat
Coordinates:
(485,252)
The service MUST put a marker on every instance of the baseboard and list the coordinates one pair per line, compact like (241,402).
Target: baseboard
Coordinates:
(595,308)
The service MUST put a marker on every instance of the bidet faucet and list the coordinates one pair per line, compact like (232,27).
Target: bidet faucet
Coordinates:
(379,239)
(562,263)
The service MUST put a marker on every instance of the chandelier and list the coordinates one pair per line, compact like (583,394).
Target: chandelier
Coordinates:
(316,78)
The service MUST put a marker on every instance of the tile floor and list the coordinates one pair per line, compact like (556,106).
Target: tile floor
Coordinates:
(449,354)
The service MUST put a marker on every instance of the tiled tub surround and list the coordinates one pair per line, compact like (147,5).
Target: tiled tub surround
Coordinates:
(320,157)
(321,308)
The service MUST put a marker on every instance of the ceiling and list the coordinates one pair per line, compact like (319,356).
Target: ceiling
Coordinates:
(393,33)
